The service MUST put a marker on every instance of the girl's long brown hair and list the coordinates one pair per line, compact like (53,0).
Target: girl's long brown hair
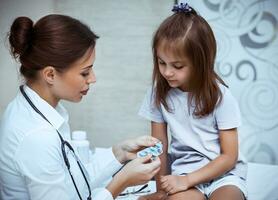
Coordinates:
(189,35)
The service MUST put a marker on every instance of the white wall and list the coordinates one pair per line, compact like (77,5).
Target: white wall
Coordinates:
(123,65)
(9,10)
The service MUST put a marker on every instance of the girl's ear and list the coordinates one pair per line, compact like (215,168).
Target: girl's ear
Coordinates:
(48,74)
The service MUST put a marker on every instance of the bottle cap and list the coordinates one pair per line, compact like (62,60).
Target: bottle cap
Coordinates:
(79,135)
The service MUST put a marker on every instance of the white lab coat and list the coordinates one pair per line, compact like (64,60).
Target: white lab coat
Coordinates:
(31,162)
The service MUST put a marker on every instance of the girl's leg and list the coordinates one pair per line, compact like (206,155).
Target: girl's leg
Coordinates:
(191,194)
(227,192)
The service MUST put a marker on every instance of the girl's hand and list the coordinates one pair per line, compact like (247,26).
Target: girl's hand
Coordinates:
(159,195)
(173,184)
(127,149)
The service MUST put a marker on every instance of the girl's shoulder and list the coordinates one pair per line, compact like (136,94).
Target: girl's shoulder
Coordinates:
(227,101)
(225,91)
(223,88)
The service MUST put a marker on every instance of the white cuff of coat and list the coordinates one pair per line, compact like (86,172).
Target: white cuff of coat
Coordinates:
(101,194)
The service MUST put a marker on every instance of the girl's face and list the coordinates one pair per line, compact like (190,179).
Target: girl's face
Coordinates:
(174,69)
(73,83)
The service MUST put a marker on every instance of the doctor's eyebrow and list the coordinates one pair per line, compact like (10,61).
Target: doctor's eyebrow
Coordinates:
(87,67)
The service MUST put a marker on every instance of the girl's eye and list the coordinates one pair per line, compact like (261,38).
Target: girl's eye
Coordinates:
(161,63)
(178,67)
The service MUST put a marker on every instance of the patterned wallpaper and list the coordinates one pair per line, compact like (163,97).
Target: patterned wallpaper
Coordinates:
(247,59)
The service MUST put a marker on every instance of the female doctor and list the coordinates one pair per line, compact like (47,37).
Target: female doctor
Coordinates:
(37,161)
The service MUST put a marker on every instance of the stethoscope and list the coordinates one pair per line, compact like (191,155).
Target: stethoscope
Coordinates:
(64,144)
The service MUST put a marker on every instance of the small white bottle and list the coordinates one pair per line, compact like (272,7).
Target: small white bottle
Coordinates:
(81,146)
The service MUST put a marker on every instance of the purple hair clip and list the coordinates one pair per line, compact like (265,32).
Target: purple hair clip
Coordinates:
(182,8)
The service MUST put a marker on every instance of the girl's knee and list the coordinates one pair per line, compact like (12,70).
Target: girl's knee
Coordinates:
(227,192)
(191,194)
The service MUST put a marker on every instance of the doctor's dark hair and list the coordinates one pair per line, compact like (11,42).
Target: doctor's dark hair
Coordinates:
(188,35)
(54,40)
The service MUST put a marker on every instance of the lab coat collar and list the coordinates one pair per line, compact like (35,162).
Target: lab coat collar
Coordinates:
(56,116)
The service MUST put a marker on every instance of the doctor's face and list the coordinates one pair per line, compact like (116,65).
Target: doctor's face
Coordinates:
(73,84)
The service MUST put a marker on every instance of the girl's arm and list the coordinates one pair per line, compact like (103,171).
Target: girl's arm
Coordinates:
(223,163)
(159,131)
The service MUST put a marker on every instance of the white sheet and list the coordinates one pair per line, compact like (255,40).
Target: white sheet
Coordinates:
(262,181)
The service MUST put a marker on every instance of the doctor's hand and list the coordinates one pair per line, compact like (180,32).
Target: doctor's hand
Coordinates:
(127,149)
(140,170)
(136,172)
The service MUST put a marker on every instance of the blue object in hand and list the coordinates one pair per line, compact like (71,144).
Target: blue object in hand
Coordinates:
(155,151)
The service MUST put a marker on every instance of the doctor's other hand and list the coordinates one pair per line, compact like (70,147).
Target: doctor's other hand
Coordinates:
(136,172)
(127,149)
(159,195)
(139,171)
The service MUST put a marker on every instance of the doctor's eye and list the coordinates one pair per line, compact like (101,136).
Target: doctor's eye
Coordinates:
(85,74)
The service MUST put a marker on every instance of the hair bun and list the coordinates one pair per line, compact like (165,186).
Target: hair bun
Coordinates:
(20,35)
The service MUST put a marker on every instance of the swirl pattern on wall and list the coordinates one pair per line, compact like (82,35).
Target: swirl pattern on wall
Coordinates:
(241,69)
(246,32)
(259,103)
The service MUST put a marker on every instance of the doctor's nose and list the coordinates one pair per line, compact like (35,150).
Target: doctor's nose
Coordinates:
(92,78)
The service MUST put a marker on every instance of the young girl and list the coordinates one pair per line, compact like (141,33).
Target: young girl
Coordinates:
(37,161)
(191,101)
